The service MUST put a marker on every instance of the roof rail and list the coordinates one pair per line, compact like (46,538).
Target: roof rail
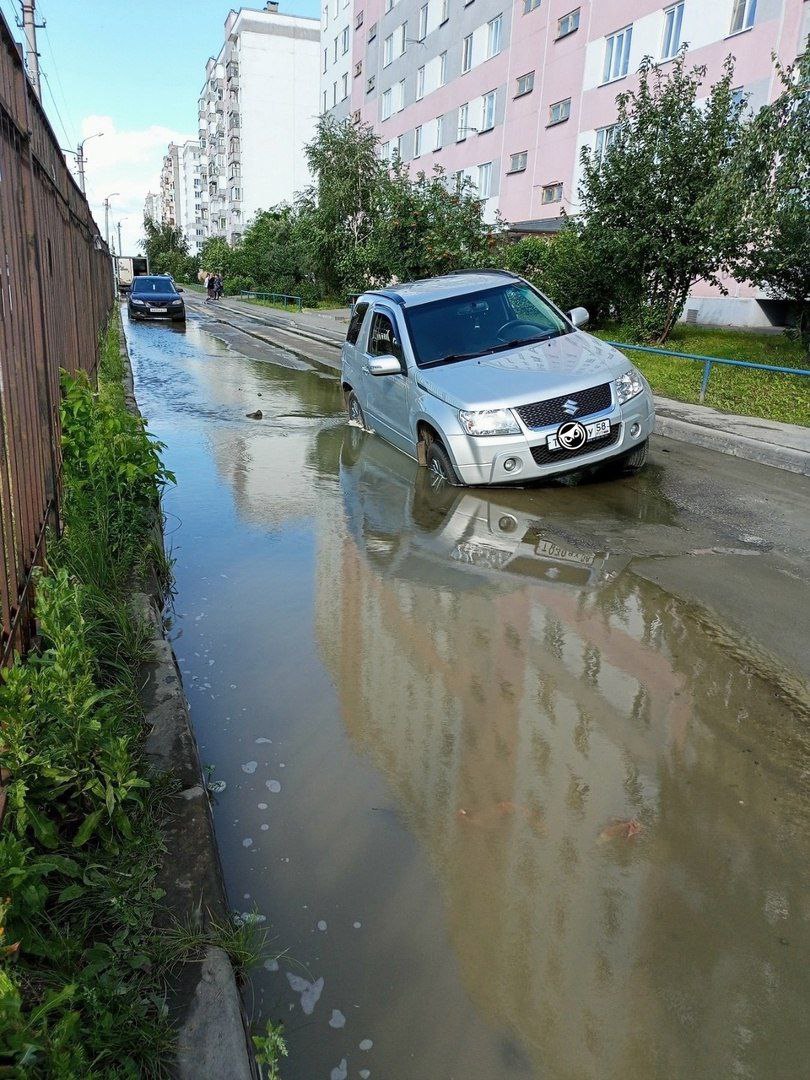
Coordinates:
(484,270)
(389,294)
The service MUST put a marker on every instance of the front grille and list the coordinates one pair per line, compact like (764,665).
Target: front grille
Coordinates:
(543,456)
(542,413)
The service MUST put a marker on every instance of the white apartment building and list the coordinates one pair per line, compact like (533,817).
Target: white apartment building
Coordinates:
(170,185)
(338,24)
(189,203)
(257,111)
(152,207)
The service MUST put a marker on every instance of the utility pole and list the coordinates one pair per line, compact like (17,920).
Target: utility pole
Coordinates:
(120,249)
(107,217)
(30,25)
(80,158)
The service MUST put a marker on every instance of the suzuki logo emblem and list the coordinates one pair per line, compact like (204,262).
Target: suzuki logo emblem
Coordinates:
(570,406)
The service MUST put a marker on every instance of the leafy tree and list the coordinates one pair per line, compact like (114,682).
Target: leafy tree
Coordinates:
(660,210)
(167,250)
(775,169)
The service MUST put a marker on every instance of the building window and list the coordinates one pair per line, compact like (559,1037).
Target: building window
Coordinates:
(372,31)
(437,141)
(617,54)
(485,180)
(402,37)
(525,84)
(358,68)
(385,104)
(519,161)
(742,15)
(559,112)
(494,28)
(388,5)
(400,96)
(388,50)
(568,24)
(461,127)
(334,93)
(335,48)
(345,40)
(423,19)
(488,111)
(326,15)
(370,84)
(530,5)
(385,151)
(420,83)
(417,141)
(445,12)
(604,138)
(673,20)
(442,69)
(358,22)
(398,147)
(552,193)
(325,59)
(466,53)
(345,86)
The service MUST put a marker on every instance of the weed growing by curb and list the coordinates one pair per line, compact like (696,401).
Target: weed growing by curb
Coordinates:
(83,970)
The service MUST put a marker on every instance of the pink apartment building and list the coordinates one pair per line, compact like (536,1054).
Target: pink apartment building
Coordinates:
(508,94)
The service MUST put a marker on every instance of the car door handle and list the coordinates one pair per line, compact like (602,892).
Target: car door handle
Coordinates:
(365,369)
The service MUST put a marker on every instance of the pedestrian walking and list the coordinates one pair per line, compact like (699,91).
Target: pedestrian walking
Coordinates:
(209,287)
(219,289)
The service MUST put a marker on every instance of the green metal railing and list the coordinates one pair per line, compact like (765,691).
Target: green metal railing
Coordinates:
(708,361)
(295,301)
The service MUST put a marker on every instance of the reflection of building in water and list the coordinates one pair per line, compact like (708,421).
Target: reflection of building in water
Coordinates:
(514,721)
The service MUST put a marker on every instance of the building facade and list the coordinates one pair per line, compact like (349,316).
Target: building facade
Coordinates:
(170,186)
(257,111)
(509,94)
(152,206)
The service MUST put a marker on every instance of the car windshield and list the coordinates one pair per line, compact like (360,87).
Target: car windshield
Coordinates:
(475,324)
(152,285)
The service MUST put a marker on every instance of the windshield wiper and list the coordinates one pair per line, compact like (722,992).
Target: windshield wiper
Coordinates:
(451,359)
(524,341)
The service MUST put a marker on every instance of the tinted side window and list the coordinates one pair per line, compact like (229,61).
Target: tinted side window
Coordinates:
(383,339)
(357,321)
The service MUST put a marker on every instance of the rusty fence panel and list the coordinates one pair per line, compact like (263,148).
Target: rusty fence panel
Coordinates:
(56,293)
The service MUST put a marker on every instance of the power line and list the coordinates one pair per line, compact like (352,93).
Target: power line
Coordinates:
(44,74)
(73,138)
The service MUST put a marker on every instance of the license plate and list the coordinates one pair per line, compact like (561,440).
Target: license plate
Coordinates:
(158,310)
(572,435)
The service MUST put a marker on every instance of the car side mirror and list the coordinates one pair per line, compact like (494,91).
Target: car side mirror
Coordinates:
(579,317)
(384,365)
(180,290)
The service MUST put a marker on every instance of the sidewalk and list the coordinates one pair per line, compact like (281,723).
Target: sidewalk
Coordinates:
(318,335)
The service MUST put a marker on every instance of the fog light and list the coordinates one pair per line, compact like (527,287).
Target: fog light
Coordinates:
(635,430)
(510,464)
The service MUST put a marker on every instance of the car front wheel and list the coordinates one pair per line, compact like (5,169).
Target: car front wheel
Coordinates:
(355,410)
(439,466)
(634,461)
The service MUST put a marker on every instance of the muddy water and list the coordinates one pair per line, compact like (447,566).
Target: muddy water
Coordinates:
(510,810)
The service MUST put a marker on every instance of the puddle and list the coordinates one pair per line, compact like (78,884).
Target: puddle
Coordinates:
(593,854)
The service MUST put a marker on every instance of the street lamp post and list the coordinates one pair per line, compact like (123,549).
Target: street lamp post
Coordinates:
(80,157)
(107,216)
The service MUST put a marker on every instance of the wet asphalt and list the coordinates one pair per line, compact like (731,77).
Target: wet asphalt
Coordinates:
(517,777)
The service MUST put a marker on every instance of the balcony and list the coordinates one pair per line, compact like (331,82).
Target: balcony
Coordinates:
(233,119)
(232,70)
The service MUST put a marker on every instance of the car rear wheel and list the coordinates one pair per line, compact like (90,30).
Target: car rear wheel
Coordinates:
(355,410)
(440,467)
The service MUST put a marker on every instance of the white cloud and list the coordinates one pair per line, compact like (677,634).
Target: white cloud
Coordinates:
(126,162)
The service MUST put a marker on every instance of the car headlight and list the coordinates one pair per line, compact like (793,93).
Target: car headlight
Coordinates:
(489,422)
(628,385)
(135,301)
(176,302)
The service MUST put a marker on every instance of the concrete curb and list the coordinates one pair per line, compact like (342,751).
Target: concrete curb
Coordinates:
(717,434)
(213,1038)
(734,443)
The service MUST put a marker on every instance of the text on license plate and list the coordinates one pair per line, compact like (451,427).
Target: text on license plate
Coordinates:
(159,310)
(569,436)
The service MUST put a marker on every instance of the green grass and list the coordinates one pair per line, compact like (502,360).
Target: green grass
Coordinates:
(736,390)
(277,304)
(83,968)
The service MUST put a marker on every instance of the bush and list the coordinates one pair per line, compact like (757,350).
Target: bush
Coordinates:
(235,285)
(562,267)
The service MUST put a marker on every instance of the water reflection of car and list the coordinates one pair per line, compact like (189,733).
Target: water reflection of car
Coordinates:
(404,522)
(482,379)
(155,296)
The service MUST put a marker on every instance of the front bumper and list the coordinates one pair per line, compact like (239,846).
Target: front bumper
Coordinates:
(172,314)
(480,460)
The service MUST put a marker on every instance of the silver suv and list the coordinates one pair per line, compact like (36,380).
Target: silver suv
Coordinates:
(483,380)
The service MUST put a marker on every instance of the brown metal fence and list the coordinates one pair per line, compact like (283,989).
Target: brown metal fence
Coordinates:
(56,293)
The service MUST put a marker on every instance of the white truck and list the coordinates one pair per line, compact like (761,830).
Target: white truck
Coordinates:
(129,267)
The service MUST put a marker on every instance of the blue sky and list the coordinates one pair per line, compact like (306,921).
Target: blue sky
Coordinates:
(133,69)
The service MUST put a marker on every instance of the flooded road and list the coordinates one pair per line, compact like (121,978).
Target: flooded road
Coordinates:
(518,778)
